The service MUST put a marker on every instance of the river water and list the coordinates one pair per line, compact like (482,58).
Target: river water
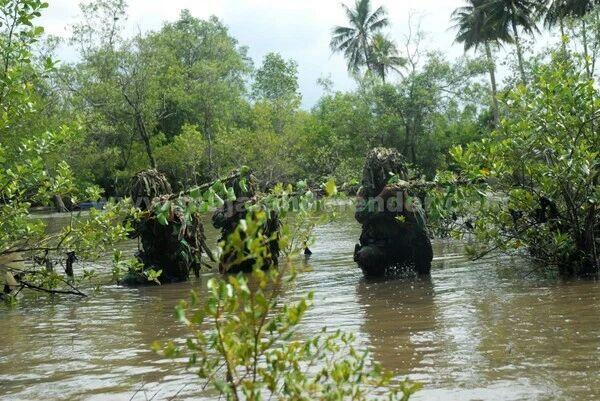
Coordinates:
(486,330)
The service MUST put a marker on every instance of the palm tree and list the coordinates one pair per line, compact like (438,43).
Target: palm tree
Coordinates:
(383,56)
(354,41)
(475,29)
(580,9)
(513,14)
(554,13)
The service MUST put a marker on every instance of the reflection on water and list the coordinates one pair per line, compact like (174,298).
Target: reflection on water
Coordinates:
(475,330)
(400,320)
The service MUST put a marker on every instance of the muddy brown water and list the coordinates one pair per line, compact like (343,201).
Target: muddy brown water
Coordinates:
(485,330)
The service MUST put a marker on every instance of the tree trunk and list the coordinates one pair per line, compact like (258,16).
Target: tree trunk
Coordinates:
(211,166)
(407,134)
(59,204)
(145,138)
(141,127)
(417,130)
(589,240)
(409,137)
(519,52)
(492,70)
(208,135)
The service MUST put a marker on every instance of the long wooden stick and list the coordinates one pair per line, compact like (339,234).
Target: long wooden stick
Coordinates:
(431,184)
(204,186)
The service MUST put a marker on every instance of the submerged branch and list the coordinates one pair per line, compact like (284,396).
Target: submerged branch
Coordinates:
(34,287)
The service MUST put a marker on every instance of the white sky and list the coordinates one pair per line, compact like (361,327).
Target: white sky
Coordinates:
(298,29)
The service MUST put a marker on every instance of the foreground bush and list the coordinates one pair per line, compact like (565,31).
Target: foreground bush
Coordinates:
(246,345)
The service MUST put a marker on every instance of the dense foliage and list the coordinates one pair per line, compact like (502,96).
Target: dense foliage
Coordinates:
(188,100)
(31,175)
(537,177)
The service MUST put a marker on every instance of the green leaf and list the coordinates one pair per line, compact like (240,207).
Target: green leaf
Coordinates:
(330,188)
(162,219)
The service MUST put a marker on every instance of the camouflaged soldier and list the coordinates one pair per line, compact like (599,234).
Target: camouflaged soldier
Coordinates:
(227,218)
(393,234)
(175,248)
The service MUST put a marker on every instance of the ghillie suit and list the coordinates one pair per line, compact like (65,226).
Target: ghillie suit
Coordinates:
(393,235)
(175,248)
(147,185)
(227,218)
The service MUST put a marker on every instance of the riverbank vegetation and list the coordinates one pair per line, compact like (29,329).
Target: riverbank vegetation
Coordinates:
(187,100)
(514,164)
(536,177)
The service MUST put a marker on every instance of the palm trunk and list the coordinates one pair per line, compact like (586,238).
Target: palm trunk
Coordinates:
(519,52)
(563,44)
(365,46)
(492,71)
(593,57)
(588,68)
(585,47)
